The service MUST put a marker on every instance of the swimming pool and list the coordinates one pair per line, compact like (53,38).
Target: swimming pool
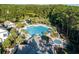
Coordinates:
(57,41)
(32,30)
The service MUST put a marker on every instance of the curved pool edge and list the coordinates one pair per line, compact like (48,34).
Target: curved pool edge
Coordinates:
(37,25)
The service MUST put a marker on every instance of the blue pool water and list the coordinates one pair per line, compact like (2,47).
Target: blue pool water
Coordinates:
(32,30)
(57,41)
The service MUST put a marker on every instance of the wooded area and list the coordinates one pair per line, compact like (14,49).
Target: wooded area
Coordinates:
(66,18)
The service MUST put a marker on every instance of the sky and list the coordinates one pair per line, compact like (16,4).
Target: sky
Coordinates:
(74,4)
(39,1)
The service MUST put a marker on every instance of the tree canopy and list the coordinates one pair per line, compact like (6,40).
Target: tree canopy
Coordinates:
(63,16)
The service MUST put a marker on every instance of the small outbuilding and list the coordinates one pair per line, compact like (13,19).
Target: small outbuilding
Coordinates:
(9,24)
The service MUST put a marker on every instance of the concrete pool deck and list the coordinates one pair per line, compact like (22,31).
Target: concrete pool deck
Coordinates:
(33,43)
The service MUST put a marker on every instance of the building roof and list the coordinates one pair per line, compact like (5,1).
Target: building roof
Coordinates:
(2,30)
(8,23)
